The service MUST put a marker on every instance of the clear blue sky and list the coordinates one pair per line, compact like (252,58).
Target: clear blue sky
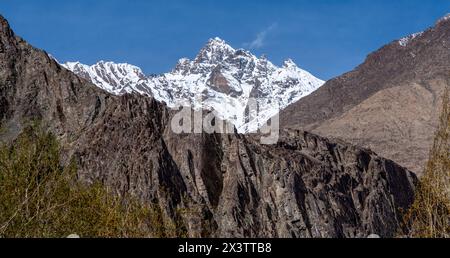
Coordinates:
(326,37)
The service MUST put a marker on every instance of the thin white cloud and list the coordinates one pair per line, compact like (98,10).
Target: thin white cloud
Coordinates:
(260,39)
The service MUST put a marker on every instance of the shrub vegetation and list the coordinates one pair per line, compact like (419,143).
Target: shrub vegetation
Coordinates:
(429,217)
(41,198)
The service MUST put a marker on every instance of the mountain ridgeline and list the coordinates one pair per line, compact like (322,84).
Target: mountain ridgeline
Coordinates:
(403,80)
(226,185)
(390,103)
(220,78)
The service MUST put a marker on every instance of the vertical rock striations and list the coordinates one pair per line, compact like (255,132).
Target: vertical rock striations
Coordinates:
(226,185)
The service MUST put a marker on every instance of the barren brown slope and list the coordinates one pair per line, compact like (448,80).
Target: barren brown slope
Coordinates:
(390,103)
(209,184)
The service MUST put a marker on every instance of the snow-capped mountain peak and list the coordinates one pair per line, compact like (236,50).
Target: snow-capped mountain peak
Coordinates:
(117,78)
(214,52)
(289,63)
(219,78)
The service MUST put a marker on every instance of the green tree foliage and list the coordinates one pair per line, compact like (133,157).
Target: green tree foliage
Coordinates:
(41,198)
(429,216)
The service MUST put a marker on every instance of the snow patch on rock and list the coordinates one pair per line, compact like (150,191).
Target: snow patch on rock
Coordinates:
(406,40)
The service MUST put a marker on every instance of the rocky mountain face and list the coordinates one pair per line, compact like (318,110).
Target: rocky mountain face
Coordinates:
(389,104)
(226,185)
(220,78)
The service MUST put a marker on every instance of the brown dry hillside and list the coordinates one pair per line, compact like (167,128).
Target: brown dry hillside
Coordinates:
(390,103)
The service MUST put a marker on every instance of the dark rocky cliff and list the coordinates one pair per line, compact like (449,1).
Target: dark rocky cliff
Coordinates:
(211,184)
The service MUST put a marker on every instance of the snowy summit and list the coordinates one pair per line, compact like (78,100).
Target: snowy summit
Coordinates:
(223,77)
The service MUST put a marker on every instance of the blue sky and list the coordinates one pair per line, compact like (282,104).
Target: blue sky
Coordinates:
(325,37)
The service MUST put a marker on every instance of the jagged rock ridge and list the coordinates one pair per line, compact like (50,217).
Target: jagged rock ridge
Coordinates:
(231,185)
